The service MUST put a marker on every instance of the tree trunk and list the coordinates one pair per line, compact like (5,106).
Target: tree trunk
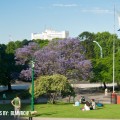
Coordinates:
(69,98)
(53,98)
(9,86)
(104,85)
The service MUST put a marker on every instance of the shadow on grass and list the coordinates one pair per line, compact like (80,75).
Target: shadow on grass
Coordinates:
(44,114)
(99,108)
(61,103)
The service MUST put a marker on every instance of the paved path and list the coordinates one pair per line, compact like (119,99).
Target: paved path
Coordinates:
(38,118)
(24,86)
(41,118)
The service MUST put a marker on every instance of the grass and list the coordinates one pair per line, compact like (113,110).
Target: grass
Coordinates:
(65,110)
(59,110)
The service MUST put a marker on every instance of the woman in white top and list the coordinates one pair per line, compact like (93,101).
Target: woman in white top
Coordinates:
(86,106)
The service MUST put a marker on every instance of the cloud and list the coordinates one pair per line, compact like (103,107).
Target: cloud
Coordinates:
(65,5)
(97,11)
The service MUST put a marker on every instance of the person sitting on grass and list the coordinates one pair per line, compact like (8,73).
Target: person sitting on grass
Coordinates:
(77,103)
(86,106)
(82,100)
(93,105)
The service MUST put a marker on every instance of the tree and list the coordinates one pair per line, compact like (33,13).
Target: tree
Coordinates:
(6,66)
(64,57)
(23,56)
(117,69)
(86,36)
(2,67)
(102,71)
(42,43)
(105,39)
(8,70)
(52,85)
(102,68)
(87,39)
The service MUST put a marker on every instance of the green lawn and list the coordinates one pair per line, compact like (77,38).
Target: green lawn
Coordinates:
(69,111)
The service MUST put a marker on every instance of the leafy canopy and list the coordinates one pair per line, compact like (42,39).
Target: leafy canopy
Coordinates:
(64,57)
(51,85)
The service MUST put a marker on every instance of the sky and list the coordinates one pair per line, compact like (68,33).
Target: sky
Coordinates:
(20,18)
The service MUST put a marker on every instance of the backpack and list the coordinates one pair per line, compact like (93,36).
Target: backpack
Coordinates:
(99,104)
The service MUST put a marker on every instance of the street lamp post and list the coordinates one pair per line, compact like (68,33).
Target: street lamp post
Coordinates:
(32,99)
(101,54)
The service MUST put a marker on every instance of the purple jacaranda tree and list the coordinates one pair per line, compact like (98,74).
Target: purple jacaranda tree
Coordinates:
(23,56)
(64,57)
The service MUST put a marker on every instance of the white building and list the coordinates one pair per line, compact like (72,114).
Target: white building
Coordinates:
(50,34)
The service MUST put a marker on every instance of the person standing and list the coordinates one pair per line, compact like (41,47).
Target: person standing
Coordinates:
(4,98)
(16,102)
(106,92)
